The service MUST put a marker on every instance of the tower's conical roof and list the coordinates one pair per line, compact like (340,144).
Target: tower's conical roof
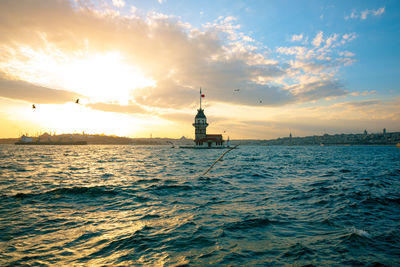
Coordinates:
(200,114)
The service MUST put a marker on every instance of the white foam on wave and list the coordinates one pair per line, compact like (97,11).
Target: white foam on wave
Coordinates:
(360,232)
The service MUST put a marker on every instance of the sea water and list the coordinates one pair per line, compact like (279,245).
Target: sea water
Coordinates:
(151,205)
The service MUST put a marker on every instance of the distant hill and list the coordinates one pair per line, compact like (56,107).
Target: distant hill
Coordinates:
(8,140)
(100,139)
(327,139)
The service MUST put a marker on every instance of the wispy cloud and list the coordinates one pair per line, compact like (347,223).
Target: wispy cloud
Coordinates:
(363,14)
(319,38)
(363,103)
(348,37)
(378,12)
(17,89)
(364,93)
(133,9)
(297,37)
(341,117)
(118,3)
(313,67)
(109,107)
(346,54)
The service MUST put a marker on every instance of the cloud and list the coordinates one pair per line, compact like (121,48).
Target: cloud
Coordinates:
(110,107)
(317,90)
(17,89)
(363,103)
(342,117)
(318,39)
(177,56)
(299,51)
(378,12)
(297,37)
(363,14)
(346,54)
(348,37)
(331,39)
(118,3)
(304,123)
(364,93)
(181,117)
(313,67)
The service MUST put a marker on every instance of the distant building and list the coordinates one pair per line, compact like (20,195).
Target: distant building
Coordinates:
(26,139)
(46,136)
(202,139)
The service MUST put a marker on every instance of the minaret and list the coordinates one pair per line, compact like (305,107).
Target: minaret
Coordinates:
(200,123)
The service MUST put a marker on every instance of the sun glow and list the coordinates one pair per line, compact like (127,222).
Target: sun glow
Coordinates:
(98,77)
(101,77)
(73,118)
(104,78)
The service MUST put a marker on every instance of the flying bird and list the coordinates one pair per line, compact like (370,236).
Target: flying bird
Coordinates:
(77,101)
(236,90)
(260,101)
(33,106)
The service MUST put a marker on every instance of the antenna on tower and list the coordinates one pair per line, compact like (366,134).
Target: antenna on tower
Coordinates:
(201,96)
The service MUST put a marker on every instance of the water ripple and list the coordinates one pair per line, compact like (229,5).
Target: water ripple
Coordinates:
(150,206)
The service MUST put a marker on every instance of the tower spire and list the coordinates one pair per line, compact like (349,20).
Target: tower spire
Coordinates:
(201,96)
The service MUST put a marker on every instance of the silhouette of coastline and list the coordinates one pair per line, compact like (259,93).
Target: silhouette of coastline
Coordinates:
(391,138)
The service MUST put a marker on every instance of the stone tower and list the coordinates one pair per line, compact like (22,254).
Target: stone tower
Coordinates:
(200,124)
(202,139)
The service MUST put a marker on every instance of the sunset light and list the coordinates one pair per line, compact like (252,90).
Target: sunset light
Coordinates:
(72,118)
(103,78)
(199,133)
(130,62)
(99,77)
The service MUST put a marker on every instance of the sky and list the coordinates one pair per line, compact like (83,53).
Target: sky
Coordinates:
(267,68)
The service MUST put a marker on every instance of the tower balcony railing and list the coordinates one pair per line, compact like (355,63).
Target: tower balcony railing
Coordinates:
(200,124)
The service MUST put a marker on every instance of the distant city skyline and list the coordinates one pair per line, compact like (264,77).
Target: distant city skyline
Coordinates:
(267,68)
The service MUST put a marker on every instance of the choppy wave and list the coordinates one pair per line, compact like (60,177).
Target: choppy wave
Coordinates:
(133,206)
(84,192)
